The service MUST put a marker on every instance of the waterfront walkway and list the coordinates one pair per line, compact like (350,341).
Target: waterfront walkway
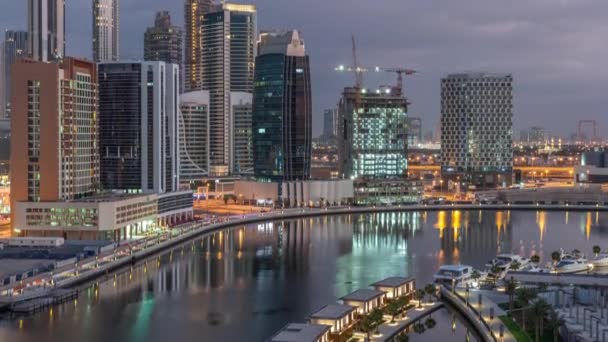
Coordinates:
(388,331)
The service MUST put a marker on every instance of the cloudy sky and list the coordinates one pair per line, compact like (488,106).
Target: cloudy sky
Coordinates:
(555,49)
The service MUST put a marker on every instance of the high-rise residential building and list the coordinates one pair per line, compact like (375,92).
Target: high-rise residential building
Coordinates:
(229,50)
(477,128)
(54,151)
(242,136)
(163,41)
(106,30)
(193,134)
(282,108)
(138,119)
(194,11)
(13,48)
(46,29)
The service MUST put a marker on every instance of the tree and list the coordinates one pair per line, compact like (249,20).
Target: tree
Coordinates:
(556,256)
(403,338)
(553,323)
(429,289)
(475,275)
(376,317)
(535,258)
(393,309)
(596,250)
(430,323)
(510,287)
(539,311)
(365,325)
(515,265)
(495,270)
(419,295)
(524,296)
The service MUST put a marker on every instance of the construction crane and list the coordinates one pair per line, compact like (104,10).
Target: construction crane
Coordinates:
(401,72)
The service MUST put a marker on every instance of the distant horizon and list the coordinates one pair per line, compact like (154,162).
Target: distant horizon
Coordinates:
(555,57)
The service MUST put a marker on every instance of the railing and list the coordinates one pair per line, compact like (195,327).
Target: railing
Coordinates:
(470,313)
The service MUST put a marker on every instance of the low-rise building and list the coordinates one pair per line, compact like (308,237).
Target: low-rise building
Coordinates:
(297,193)
(365,300)
(301,332)
(339,317)
(371,191)
(395,287)
(106,217)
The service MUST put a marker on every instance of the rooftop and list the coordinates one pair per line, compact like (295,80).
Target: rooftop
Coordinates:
(393,282)
(363,295)
(300,332)
(333,311)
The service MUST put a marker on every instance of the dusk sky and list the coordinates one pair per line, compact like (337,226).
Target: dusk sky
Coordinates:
(555,49)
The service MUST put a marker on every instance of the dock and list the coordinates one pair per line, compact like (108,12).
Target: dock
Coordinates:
(585,280)
(55,297)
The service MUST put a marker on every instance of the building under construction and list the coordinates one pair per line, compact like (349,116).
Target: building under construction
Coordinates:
(372,145)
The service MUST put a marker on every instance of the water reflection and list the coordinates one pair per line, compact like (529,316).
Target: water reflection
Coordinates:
(247,282)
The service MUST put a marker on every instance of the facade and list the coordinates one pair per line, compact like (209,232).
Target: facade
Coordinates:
(46,29)
(373,139)
(311,193)
(113,217)
(13,48)
(282,114)
(194,11)
(414,131)
(54,125)
(194,157)
(163,41)
(242,137)
(365,300)
(138,126)
(339,317)
(229,49)
(329,124)
(106,30)
(477,129)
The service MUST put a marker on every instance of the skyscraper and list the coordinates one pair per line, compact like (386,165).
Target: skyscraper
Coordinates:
(228,62)
(477,128)
(282,109)
(54,151)
(138,118)
(46,29)
(194,11)
(13,48)
(242,138)
(193,133)
(163,41)
(106,30)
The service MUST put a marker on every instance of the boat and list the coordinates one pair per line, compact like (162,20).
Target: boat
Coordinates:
(571,263)
(504,261)
(458,275)
(601,260)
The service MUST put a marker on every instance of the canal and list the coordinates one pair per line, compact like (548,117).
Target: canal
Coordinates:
(245,283)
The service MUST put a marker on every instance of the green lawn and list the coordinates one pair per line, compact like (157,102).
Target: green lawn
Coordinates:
(517,332)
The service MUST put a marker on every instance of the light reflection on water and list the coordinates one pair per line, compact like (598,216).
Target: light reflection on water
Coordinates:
(248,282)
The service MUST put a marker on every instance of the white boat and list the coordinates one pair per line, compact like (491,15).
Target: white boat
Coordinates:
(601,260)
(504,261)
(571,265)
(459,275)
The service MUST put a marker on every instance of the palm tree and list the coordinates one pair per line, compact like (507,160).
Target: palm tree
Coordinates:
(430,323)
(535,258)
(553,323)
(596,250)
(539,311)
(510,287)
(429,289)
(419,295)
(556,256)
(524,296)
(515,265)
(475,275)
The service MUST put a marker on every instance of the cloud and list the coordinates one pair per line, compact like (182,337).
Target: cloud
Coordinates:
(556,50)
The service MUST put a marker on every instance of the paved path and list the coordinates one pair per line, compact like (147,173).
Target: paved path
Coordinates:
(388,330)
(486,305)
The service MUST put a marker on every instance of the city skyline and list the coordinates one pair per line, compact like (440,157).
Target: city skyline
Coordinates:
(553,89)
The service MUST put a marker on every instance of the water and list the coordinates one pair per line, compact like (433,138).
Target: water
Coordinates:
(248,282)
